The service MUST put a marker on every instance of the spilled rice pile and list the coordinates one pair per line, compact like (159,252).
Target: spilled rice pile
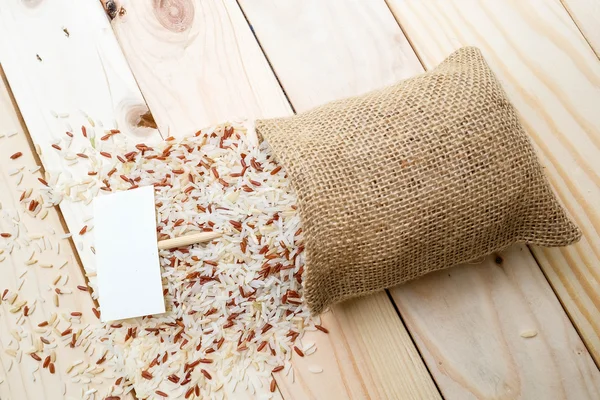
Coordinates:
(235,310)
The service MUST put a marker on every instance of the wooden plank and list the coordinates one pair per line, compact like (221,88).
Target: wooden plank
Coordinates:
(36,286)
(197,63)
(323,51)
(552,77)
(472,330)
(586,14)
(278,29)
(361,330)
(82,74)
(209,74)
(62,58)
(59,62)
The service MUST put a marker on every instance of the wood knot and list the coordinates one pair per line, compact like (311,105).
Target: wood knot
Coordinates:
(146,120)
(111,8)
(174,15)
(498,259)
(136,119)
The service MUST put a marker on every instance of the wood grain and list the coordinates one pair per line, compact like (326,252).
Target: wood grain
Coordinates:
(323,51)
(197,63)
(360,330)
(278,28)
(586,14)
(552,77)
(61,57)
(471,324)
(17,381)
(192,74)
(82,74)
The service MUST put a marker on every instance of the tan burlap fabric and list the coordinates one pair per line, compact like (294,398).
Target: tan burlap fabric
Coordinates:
(430,173)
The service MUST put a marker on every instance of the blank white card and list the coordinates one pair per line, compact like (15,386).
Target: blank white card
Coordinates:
(128,270)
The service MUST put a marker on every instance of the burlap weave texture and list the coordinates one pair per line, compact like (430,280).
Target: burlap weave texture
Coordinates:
(432,172)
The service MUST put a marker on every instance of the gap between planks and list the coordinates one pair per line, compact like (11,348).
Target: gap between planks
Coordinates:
(586,15)
(90,54)
(42,171)
(266,57)
(239,72)
(436,31)
(37,278)
(550,283)
(278,27)
(388,294)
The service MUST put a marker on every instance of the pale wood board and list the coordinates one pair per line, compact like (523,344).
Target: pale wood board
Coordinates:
(196,67)
(325,50)
(586,14)
(366,371)
(553,78)
(84,70)
(193,74)
(81,74)
(468,322)
(290,52)
(37,282)
(197,63)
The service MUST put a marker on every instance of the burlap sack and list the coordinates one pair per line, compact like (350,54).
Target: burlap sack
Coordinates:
(430,173)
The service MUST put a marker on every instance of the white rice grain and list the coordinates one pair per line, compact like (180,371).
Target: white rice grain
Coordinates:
(226,299)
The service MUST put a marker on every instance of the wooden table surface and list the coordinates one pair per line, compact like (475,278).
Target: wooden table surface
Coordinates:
(523,324)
